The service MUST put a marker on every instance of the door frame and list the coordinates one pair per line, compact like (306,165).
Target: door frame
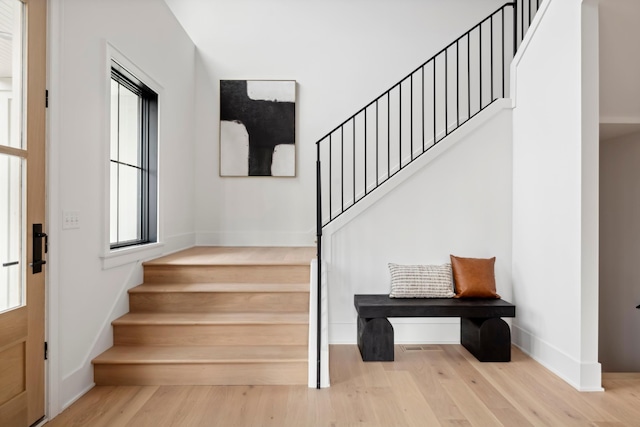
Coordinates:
(36,121)
(33,182)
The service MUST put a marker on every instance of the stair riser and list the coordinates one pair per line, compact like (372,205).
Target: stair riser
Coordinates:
(210,334)
(203,374)
(222,274)
(225,302)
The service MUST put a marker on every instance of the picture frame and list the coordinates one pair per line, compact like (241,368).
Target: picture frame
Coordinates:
(257,128)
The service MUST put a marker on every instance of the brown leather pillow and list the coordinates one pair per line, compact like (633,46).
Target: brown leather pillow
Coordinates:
(474,277)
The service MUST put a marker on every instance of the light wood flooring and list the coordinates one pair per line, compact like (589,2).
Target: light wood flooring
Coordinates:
(430,386)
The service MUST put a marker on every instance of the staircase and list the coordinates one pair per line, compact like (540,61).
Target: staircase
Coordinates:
(214,316)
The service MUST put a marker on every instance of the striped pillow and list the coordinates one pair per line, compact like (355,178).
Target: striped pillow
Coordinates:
(421,281)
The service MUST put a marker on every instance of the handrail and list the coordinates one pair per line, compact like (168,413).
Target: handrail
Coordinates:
(414,71)
(434,82)
(472,42)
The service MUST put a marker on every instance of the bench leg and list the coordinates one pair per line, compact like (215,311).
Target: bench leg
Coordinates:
(375,339)
(489,340)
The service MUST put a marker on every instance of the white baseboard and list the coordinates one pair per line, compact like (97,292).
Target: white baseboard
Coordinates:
(68,401)
(178,242)
(131,255)
(255,238)
(582,376)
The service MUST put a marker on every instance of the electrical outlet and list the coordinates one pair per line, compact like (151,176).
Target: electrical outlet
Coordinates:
(70,219)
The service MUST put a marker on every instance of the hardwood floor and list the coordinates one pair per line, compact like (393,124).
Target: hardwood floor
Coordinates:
(430,386)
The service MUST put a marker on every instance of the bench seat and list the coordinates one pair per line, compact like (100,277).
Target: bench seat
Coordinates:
(482,330)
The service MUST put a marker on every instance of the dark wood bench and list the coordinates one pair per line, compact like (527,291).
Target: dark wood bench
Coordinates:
(482,331)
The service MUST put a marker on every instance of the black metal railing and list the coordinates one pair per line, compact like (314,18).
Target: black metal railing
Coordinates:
(414,115)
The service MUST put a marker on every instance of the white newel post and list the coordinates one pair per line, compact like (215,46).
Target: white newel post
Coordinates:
(313,330)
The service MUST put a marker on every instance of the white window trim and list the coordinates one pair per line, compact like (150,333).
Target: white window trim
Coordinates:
(116,257)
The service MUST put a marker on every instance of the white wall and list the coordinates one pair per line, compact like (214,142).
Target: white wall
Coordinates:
(83,295)
(555,173)
(342,55)
(459,204)
(620,250)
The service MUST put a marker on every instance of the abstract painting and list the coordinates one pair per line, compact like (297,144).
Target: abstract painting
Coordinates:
(257,128)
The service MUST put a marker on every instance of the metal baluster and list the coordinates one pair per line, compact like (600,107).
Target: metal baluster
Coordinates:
(400,125)
(411,115)
(468,75)
(480,66)
(342,166)
(446,92)
(422,68)
(388,135)
(330,179)
(353,172)
(502,61)
(365,152)
(491,40)
(457,83)
(435,135)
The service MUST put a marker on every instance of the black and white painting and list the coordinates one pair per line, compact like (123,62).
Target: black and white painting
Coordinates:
(257,128)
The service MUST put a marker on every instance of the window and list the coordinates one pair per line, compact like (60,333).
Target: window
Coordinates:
(134,160)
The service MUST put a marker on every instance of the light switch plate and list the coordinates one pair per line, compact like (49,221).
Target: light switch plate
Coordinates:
(70,220)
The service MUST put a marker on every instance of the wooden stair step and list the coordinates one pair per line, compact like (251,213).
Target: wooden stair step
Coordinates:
(232,264)
(119,355)
(200,365)
(209,255)
(211,329)
(219,287)
(209,374)
(219,297)
(246,273)
(212,319)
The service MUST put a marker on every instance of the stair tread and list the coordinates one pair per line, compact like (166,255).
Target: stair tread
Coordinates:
(201,354)
(212,318)
(208,256)
(219,287)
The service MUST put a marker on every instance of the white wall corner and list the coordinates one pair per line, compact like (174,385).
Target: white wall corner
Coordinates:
(590,374)
(313,330)
(178,242)
(54,46)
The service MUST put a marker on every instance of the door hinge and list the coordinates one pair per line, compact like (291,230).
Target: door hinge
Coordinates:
(46,350)
(46,98)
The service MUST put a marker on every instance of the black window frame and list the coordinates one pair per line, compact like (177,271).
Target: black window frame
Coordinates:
(148,146)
